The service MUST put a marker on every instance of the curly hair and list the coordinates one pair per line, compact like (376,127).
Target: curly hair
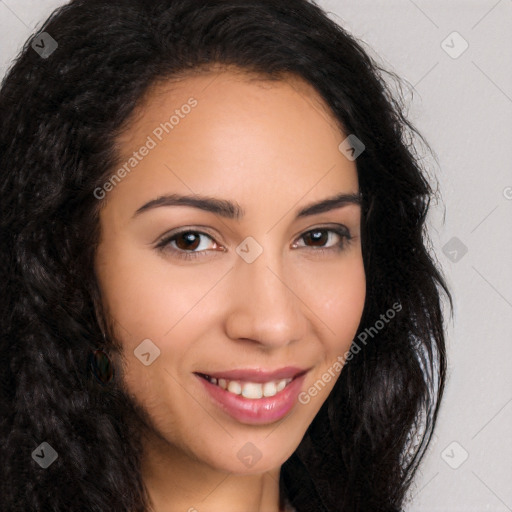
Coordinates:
(60,117)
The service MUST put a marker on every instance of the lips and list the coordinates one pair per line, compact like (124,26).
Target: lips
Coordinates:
(254,396)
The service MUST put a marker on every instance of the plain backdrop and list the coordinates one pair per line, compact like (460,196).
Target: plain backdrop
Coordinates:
(456,59)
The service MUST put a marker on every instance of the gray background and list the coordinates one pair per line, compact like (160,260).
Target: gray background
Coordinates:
(462,103)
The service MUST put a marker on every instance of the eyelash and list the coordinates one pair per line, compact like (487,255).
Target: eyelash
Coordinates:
(342,232)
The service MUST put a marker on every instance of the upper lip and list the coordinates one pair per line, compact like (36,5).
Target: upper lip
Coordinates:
(257,375)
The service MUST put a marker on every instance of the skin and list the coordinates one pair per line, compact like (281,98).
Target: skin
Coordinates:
(271,147)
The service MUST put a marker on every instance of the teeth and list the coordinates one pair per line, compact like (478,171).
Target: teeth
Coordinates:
(252,390)
(269,389)
(281,385)
(235,387)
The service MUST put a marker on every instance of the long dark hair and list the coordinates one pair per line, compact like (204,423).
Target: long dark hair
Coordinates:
(60,115)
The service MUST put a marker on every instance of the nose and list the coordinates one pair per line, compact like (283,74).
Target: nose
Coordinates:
(264,306)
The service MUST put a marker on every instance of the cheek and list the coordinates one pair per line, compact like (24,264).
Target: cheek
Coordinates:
(347,312)
(339,309)
(145,296)
(338,299)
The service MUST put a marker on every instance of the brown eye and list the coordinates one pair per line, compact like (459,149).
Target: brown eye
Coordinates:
(188,244)
(321,239)
(318,237)
(187,241)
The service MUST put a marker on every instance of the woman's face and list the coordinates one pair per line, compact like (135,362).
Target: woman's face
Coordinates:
(242,287)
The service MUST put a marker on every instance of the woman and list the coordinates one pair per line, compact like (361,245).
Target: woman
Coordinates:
(217,293)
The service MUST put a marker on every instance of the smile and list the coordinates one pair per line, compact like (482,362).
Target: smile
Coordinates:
(252,390)
(254,396)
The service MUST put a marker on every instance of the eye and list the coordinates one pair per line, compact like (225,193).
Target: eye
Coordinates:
(323,235)
(186,244)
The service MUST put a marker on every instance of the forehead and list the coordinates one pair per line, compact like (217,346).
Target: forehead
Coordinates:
(229,133)
(227,96)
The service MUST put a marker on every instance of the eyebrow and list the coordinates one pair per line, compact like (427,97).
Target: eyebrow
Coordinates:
(232,210)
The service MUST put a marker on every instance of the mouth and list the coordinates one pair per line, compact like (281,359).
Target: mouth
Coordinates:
(254,396)
(247,389)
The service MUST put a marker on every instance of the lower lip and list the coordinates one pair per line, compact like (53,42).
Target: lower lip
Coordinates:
(256,411)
